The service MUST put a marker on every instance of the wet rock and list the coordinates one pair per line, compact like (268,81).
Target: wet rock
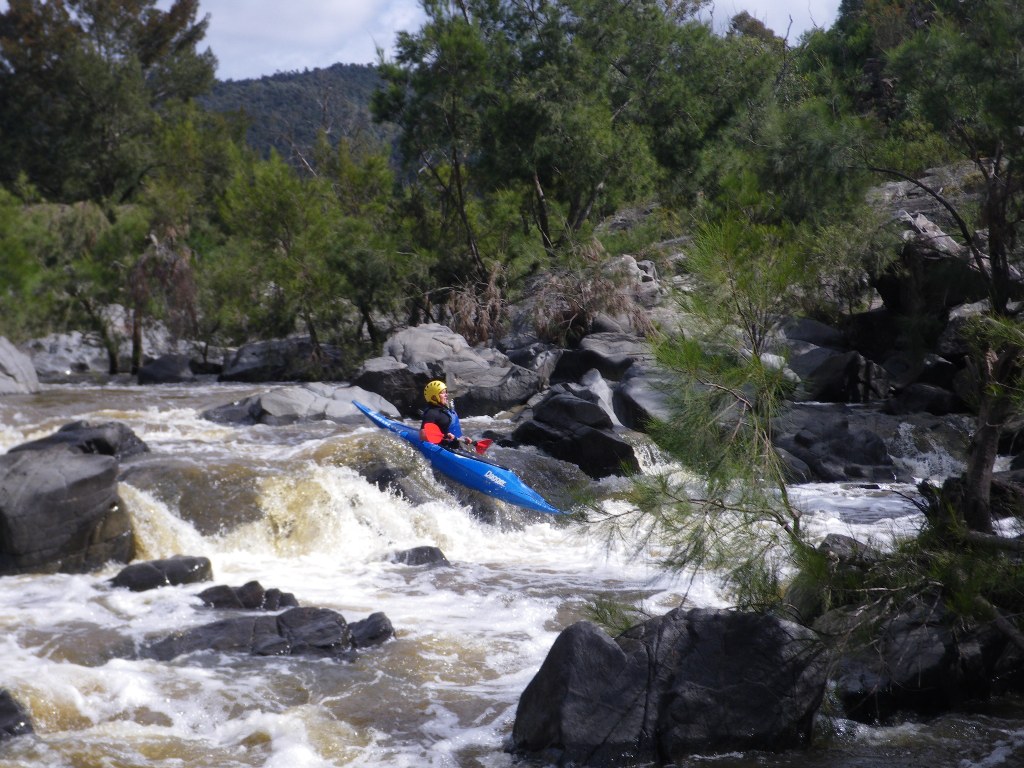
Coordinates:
(571,425)
(310,632)
(14,719)
(833,448)
(425,555)
(251,596)
(910,660)
(375,629)
(315,401)
(60,512)
(690,682)
(180,569)
(110,438)
(167,369)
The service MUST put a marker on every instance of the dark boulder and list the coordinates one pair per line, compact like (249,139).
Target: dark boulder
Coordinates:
(570,427)
(251,596)
(612,354)
(180,569)
(14,719)
(375,629)
(396,382)
(310,632)
(690,682)
(914,659)
(167,369)
(425,555)
(110,438)
(840,377)
(925,398)
(60,512)
(294,359)
(833,450)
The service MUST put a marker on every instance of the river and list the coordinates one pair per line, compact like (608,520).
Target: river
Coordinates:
(283,506)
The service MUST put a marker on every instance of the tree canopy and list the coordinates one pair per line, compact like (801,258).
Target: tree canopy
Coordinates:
(83,82)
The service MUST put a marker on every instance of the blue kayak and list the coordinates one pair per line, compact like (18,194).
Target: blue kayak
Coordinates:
(478,474)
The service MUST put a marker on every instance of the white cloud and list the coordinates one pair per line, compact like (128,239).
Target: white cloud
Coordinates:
(252,38)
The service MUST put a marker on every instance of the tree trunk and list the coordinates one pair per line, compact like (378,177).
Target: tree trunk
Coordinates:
(996,374)
(136,340)
(977,477)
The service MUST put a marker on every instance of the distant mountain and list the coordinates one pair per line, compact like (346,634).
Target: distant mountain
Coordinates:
(285,111)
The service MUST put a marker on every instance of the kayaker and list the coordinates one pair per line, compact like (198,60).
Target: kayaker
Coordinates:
(442,414)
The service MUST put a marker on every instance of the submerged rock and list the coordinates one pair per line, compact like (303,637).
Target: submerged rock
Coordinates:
(310,632)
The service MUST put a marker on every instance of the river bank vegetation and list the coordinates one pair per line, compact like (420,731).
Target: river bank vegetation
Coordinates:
(520,145)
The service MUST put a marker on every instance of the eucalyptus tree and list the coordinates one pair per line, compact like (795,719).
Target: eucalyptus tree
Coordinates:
(434,89)
(274,274)
(551,103)
(82,82)
(324,250)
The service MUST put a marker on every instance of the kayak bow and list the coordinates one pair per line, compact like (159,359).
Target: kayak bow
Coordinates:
(472,472)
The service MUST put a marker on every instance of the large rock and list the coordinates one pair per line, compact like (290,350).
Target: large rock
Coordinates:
(570,424)
(690,682)
(111,438)
(612,354)
(167,369)
(483,381)
(63,356)
(60,511)
(839,377)
(251,596)
(60,356)
(17,374)
(642,396)
(831,447)
(427,343)
(914,659)
(307,402)
(396,382)
(293,359)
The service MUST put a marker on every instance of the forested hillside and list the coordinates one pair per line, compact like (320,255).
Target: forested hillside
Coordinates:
(288,110)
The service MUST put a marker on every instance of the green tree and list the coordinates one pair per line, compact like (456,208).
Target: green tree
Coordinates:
(432,93)
(82,82)
(964,74)
(731,511)
(283,223)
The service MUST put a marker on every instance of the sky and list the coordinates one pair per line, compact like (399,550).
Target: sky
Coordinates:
(252,38)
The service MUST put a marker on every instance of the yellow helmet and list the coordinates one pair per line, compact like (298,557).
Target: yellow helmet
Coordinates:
(432,392)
